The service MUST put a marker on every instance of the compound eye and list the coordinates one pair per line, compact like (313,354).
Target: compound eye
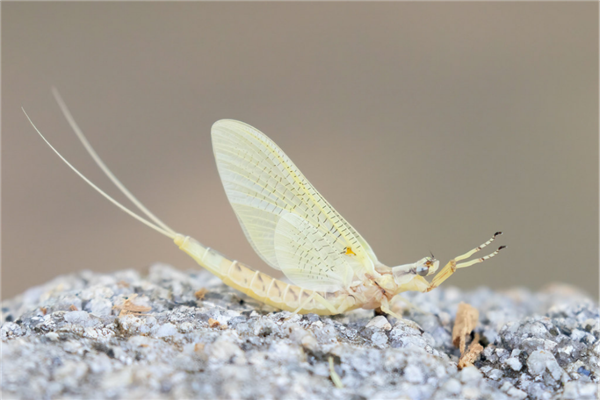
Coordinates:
(422,270)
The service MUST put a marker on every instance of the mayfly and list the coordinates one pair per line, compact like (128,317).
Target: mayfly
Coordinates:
(289,224)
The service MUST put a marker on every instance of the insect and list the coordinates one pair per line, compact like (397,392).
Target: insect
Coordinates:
(292,228)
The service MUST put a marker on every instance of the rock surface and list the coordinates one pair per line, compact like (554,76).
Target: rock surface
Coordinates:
(65,339)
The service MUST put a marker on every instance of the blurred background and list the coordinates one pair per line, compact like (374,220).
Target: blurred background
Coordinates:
(429,126)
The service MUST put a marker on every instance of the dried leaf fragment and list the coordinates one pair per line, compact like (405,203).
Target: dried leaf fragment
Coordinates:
(129,308)
(201,293)
(198,347)
(466,320)
(467,359)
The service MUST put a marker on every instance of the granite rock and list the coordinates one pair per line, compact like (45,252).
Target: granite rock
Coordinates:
(66,339)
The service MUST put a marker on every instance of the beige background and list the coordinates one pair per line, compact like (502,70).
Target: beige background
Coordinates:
(429,126)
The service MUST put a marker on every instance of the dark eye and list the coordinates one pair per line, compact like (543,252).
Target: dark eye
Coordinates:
(422,270)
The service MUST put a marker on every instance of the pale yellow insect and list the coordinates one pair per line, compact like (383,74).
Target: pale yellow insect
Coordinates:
(293,228)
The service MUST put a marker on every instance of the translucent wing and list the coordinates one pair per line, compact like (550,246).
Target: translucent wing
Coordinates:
(307,258)
(263,184)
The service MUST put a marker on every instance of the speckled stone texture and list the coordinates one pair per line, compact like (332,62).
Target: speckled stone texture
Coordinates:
(64,339)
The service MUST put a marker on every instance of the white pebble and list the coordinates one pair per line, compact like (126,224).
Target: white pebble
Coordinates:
(166,330)
(541,360)
(470,374)
(452,386)
(495,374)
(223,350)
(80,318)
(379,322)
(514,363)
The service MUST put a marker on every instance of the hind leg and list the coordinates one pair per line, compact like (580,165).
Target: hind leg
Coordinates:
(408,303)
(385,307)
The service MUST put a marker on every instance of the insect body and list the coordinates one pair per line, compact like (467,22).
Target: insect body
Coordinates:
(293,229)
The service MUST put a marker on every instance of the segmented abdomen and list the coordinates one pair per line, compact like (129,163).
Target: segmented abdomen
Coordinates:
(261,286)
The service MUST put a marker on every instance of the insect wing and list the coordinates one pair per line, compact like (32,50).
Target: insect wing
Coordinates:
(263,184)
(307,258)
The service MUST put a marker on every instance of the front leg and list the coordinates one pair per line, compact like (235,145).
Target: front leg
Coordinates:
(452,265)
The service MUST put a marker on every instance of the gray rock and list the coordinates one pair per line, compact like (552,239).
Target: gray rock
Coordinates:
(541,361)
(65,340)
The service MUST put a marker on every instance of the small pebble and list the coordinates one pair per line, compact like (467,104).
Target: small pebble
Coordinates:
(380,322)
(514,363)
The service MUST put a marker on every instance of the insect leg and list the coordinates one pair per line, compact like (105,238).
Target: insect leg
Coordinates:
(478,260)
(327,304)
(476,249)
(409,304)
(385,307)
(305,302)
(452,265)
